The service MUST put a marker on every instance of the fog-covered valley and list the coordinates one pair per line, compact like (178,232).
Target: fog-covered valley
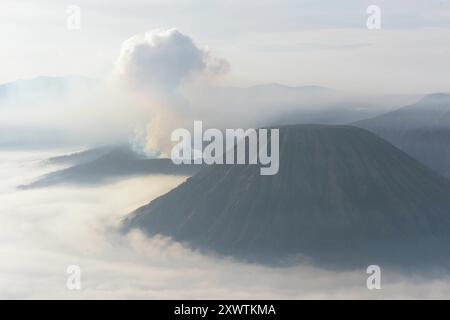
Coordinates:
(45,230)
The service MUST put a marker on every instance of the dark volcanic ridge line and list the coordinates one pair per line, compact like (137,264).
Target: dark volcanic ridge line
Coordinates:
(118,163)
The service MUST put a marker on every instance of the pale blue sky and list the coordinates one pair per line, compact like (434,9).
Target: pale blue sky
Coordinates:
(288,41)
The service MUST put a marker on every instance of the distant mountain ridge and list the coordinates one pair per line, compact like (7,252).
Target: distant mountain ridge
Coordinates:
(259,105)
(26,97)
(108,163)
(422,130)
(41,89)
(88,155)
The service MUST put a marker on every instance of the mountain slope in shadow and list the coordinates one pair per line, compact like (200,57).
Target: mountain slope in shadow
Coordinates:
(421,130)
(85,156)
(117,162)
(342,196)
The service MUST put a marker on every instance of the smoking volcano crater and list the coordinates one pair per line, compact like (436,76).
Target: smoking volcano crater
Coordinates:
(342,196)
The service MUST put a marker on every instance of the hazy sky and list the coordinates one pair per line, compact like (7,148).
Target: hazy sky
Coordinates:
(295,42)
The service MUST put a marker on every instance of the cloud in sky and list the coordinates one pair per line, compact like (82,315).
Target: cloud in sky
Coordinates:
(225,25)
(163,59)
(312,46)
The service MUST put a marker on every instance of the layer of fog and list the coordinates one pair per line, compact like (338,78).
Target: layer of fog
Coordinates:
(44,231)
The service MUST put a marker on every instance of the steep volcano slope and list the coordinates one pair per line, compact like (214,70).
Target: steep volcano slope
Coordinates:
(342,194)
(422,130)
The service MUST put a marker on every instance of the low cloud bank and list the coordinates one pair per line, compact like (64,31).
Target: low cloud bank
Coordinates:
(44,231)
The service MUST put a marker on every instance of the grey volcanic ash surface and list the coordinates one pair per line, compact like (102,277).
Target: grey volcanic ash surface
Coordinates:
(342,196)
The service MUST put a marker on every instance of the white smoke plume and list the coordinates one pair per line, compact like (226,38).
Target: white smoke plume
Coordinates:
(154,67)
(164,59)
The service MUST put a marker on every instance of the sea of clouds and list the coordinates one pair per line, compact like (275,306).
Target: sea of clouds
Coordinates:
(43,231)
